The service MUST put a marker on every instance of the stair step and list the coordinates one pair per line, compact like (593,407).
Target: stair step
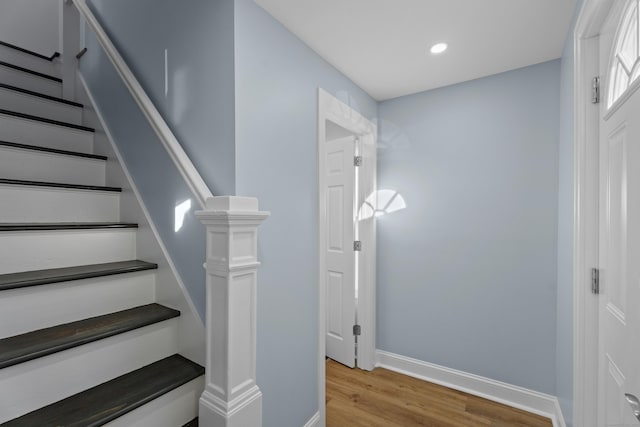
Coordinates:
(28,71)
(6,181)
(51,150)
(45,120)
(56,275)
(30,52)
(40,226)
(43,342)
(21,128)
(31,164)
(30,79)
(14,98)
(108,401)
(41,95)
(31,203)
(192,423)
(28,59)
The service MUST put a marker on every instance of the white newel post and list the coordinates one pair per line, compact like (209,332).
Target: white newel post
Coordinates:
(231,397)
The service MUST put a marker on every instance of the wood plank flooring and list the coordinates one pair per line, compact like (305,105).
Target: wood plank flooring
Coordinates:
(383,398)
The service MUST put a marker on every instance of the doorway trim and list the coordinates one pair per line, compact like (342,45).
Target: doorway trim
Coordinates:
(332,109)
(585,199)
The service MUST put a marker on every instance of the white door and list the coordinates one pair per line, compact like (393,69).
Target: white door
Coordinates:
(340,255)
(619,243)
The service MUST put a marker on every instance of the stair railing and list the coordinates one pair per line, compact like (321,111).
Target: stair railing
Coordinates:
(231,396)
(188,171)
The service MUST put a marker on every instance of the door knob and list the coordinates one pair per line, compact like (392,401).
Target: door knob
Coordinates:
(634,403)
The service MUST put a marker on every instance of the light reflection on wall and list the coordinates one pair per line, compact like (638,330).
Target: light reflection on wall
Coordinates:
(381,203)
(181,211)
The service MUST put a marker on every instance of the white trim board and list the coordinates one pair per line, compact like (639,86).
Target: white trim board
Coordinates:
(585,218)
(314,421)
(507,394)
(332,109)
(192,345)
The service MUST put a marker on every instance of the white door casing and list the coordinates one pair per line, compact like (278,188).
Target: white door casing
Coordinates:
(585,215)
(619,242)
(340,277)
(336,120)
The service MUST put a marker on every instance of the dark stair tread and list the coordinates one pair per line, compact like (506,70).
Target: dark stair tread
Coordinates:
(43,342)
(30,52)
(58,185)
(41,95)
(45,120)
(192,423)
(51,150)
(28,71)
(57,275)
(108,401)
(39,226)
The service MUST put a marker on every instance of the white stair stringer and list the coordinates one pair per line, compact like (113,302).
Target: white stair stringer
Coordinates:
(173,409)
(65,302)
(43,204)
(40,382)
(35,83)
(31,62)
(39,250)
(33,132)
(34,165)
(38,106)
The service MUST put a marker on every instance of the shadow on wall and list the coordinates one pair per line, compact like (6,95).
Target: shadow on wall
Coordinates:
(391,137)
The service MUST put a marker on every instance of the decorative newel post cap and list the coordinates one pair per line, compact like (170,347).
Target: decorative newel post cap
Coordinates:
(232,203)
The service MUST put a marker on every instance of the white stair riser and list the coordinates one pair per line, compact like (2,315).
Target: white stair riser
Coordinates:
(173,409)
(40,204)
(32,165)
(60,303)
(38,106)
(40,382)
(38,250)
(31,62)
(15,129)
(13,77)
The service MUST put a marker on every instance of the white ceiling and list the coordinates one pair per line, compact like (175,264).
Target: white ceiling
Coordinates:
(383,45)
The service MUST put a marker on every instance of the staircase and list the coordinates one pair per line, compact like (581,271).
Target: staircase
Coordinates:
(83,341)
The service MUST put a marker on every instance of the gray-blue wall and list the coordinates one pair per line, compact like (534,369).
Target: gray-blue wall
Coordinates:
(198,36)
(467,272)
(160,184)
(564,346)
(198,107)
(277,79)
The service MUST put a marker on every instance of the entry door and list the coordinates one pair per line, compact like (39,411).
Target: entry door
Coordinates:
(619,250)
(340,255)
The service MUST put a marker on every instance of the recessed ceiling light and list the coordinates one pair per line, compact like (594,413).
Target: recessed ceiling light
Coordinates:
(438,48)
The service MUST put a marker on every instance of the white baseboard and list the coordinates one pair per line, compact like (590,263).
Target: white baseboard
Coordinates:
(313,421)
(514,396)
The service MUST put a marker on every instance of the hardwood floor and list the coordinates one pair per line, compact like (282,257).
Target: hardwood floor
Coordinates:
(383,398)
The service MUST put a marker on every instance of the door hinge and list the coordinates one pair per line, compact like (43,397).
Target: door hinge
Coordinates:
(595,90)
(357,245)
(357,161)
(595,281)
(356,330)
